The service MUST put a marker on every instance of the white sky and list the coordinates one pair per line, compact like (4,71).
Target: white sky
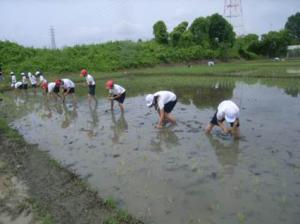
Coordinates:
(28,22)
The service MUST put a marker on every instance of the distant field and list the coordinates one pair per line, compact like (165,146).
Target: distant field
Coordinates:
(239,69)
(261,68)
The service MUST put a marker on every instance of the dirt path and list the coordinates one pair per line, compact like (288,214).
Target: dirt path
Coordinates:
(36,189)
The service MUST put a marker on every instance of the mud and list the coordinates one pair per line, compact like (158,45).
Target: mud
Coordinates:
(34,189)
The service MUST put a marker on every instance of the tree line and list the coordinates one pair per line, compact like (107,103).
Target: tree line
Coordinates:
(214,32)
(209,37)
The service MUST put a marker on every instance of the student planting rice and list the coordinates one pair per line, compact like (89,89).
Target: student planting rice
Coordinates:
(41,77)
(68,88)
(50,87)
(24,81)
(227,111)
(43,83)
(50,90)
(13,79)
(91,84)
(163,102)
(32,79)
(18,85)
(117,93)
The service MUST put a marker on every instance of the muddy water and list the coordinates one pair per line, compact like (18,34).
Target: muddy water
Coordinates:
(178,174)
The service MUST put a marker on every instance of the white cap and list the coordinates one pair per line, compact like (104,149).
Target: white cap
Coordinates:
(37,73)
(29,73)
(231,115)
(22,73)
(149,100)
(12,73)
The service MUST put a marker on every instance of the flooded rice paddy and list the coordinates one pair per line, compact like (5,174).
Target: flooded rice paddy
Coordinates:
(179,174)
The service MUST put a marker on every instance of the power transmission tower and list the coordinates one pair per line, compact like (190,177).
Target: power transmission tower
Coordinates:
(52,34)
(233,11)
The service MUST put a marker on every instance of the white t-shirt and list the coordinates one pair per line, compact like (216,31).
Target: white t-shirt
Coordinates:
(13,79)
(117,90)
(18,84)
(90,80)
(32,79)
(226,107)
(42,79)
(24,80)
(164,98)
(68,84)
(51,86)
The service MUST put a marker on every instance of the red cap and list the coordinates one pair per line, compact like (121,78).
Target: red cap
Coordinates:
(109,84)
(83,72)
(57,82)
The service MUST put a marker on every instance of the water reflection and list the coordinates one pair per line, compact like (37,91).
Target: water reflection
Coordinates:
(119,126)
(93,121)
(227,151)
(294,92)
(46,110)
(165,137)
(69,115)
(206,96)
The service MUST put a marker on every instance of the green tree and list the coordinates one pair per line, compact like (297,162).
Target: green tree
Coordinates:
(178,31)
(274,44)
(160,32)
(293,26)
(248,46)
(186,39)
(199,29)
(220,32)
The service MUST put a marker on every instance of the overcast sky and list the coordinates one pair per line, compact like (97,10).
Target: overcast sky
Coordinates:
(28,22)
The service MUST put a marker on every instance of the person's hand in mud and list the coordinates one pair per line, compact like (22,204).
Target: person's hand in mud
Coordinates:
(159,126)
(235,130)
(110,97)
(161,118)
(223,127)
(114,97)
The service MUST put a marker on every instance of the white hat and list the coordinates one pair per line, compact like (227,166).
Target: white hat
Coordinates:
(22,73)
(37,72)
(230,116)
(149,100)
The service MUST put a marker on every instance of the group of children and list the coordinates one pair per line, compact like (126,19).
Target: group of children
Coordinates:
(23,84)
(163,101)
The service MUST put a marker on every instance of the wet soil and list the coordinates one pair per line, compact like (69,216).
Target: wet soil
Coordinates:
(34,189)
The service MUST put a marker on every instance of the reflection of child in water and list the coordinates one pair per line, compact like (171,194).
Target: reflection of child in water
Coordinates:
(47,110)
(227,154)
(93,122)
(69,116)
(119,127)
(166,136)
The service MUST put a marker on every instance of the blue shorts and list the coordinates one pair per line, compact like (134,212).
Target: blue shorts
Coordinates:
(170,106)
(92,89)
(121,98)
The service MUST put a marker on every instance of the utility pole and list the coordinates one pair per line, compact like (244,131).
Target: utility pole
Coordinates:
(233,11)
(52,35)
